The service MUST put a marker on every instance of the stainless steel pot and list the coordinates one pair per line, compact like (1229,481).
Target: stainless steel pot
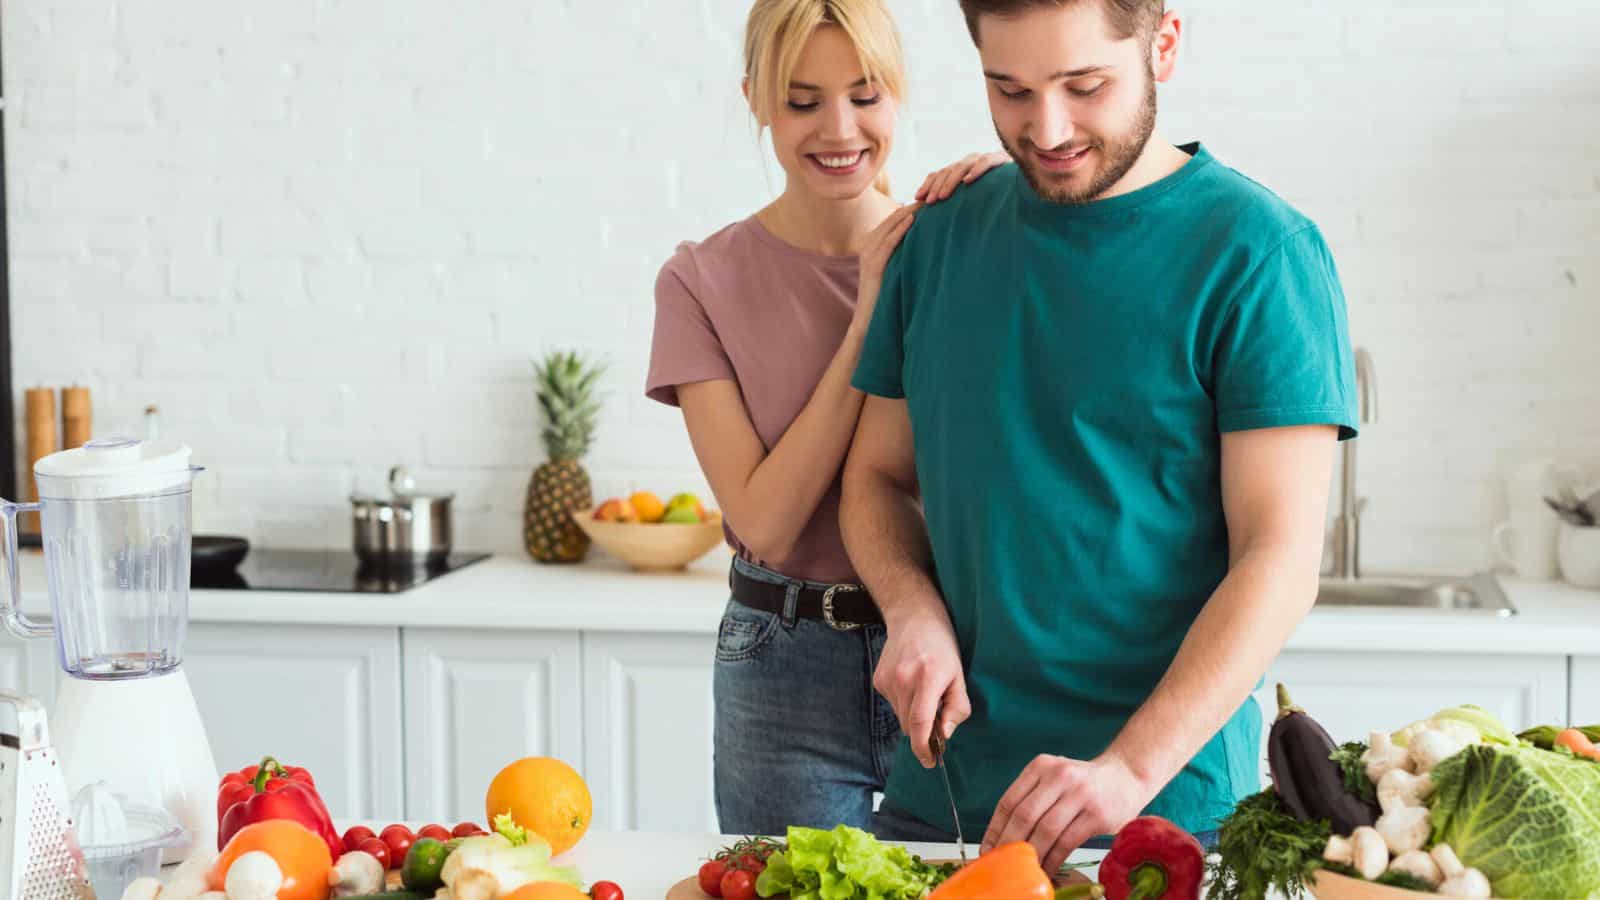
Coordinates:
(406,529)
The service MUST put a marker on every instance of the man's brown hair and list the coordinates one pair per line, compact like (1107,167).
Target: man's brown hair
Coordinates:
(1128,18)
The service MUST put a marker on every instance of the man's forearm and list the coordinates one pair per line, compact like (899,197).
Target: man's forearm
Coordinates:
(1237,635)
(887,540)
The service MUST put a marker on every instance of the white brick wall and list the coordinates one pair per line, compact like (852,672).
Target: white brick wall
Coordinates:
(329,235)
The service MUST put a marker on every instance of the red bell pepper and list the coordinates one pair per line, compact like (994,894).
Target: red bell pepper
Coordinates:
(273,791)
(1153,859)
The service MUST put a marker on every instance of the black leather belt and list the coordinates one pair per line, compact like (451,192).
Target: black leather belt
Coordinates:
(842,606)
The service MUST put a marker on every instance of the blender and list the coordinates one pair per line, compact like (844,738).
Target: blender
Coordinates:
(115,521)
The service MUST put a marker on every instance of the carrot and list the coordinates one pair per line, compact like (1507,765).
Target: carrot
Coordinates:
(1578,743)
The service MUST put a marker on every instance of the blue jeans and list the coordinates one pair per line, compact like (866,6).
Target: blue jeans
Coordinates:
(894,824)
(799,735)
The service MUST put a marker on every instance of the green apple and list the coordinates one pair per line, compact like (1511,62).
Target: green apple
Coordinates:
(682,514)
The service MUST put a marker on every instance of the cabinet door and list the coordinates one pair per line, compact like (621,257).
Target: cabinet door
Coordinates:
(647,730)
(1585,691)
(323,697)
(475,701)
(1355,693)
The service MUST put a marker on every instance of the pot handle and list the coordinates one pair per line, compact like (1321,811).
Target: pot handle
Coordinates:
(11,604)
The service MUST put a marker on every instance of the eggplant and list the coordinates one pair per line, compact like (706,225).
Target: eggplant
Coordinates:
(1307,778)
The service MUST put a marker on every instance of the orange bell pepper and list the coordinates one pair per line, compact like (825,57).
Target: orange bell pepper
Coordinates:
(1011,872)
(302,856)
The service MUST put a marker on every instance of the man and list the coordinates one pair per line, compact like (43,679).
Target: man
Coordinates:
(1113,375)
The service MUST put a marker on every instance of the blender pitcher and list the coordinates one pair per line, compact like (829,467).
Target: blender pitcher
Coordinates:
(115,522)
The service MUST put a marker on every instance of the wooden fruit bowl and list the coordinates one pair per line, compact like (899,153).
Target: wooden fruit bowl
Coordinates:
(653,546)
(1325,885)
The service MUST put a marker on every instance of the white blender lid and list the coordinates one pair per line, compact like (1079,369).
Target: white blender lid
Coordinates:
(113,467)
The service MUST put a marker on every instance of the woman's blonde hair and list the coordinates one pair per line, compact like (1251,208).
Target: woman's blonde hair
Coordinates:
(778,30)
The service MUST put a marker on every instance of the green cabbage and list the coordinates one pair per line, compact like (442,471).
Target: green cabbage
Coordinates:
(844,864)
(1527,818)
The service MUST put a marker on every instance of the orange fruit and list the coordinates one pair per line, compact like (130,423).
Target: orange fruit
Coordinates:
(648,506)
(545,796)
(301,854)
(545,890)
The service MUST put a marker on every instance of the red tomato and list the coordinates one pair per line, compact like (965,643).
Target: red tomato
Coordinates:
(711,877)
(377,848)
(399,838)
(738,885)
(437,832)
(355,835)
(466,829)
(606,890)
(752,864)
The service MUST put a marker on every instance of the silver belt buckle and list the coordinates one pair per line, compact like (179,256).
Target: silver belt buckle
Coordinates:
(827,607)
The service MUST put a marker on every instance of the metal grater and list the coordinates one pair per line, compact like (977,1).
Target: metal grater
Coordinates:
(39,854)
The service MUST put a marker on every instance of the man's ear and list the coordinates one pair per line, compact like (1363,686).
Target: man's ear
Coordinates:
(1164,46)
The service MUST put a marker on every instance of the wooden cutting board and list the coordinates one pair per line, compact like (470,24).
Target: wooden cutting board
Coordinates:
(689,888)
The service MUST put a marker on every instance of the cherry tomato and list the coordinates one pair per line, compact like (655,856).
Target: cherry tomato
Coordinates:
(738,885)
(466,829)
(437,832)
(752,864)
(606,890)
(399,838)
(711,877)
(377,848)
(355,835)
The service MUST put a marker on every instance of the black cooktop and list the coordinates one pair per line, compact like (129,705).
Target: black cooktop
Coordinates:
(325,570)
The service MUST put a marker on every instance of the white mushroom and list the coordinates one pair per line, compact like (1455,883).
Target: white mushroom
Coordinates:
(1449,864)
(1417,864)
(356,874)
(1382,756)
(142,889)
(1431,747)
(1470,883)
(189,881)
(1404,828)
(253,876)
(1400,788)
(1368,853)
(1339,850)
(211,895)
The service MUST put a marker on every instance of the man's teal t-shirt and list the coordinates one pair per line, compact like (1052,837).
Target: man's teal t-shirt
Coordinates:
(1068,372)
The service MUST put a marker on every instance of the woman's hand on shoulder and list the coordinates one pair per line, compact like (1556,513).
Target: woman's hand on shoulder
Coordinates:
(881,244)
(941,184)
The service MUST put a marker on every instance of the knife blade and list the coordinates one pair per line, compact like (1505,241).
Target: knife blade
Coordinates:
(936,743)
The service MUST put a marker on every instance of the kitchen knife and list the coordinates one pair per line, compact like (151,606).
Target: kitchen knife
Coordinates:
(936,743)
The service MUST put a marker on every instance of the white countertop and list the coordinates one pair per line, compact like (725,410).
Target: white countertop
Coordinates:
(511,591)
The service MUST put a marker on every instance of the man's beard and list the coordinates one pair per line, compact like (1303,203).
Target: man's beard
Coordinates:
(1119,155)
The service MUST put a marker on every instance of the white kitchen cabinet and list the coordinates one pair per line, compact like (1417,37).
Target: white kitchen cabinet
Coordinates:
(1585,691)
(1354,693)
(647,730)
(323,697)
(478,699)
(29,667)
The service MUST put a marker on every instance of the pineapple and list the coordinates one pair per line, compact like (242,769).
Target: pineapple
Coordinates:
(565,384)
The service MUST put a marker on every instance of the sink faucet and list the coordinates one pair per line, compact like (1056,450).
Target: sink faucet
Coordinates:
(1347,525)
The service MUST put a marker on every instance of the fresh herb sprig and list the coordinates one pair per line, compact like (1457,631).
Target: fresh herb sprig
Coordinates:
(1262,848)
(1356,782)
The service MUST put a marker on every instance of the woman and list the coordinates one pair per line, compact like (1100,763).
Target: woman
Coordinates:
(758,329)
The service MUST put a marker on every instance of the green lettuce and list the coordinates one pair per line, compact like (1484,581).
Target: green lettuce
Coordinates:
(844,864)
(1527,818)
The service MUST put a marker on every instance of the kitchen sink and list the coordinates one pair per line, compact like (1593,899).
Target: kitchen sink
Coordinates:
(1476,595)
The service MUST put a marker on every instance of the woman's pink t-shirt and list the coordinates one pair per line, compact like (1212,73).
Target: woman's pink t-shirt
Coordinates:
(744,306)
